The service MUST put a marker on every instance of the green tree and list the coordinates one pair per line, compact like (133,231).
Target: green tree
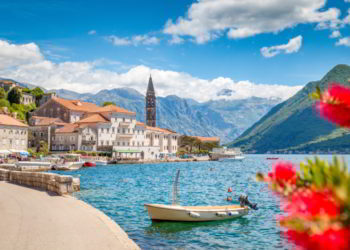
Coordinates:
(14,96)
(108,103)
(38,94)
(2,93)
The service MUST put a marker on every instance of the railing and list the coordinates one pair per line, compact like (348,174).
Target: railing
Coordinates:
(88,142)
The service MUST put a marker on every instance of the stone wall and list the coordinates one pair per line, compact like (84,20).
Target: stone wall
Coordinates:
(48,181)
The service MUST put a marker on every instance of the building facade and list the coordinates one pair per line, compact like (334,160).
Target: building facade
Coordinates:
(7,85)
(27,98)
(13,134)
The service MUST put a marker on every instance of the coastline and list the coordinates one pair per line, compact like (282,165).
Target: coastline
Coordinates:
(36,219)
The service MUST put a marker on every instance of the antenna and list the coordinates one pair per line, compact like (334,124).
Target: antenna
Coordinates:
(176,189)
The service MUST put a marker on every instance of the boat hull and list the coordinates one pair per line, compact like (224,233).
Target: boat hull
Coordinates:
(101,162)
(89,164)
(70,166)
(194,214)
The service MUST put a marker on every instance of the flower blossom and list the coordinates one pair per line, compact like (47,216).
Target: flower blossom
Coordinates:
(282,173)
(335,105)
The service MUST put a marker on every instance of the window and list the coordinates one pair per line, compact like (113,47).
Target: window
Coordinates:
(142,143)
(107,130)
(41,134)
(123,143)
(128,131)
(127,143)
(118,143)
(123,130)
(123,119)
(113,130)
(133,143)
(118,130)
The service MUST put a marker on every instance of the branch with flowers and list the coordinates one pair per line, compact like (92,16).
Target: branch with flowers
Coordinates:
(316,199)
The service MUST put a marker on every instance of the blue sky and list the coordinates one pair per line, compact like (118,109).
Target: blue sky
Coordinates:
(219,43)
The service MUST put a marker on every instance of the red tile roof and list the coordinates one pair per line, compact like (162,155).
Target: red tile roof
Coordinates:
(10,121)
(46,121)
(207,139)
(93,118)
(67,128)
(140,124)
(88,107)
(162,130)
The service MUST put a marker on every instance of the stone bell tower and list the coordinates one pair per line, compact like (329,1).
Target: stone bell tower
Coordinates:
(151,109)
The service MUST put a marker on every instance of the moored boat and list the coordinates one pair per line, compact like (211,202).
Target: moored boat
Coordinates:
(70,162)
(195,213)
(226,154)
(176,212)
(101,162)
(89,164)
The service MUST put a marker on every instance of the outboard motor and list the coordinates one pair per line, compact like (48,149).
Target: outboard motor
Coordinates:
(243,201)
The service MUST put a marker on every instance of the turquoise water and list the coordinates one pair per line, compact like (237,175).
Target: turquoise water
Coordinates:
(121,190)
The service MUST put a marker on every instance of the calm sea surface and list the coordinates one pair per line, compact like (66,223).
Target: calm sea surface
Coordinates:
(121,190)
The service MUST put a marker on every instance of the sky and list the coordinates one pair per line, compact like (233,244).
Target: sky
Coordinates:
(192,49)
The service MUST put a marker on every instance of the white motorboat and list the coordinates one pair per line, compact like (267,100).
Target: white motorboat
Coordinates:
(176,212)
(70,162)
(101,162)
(226,154)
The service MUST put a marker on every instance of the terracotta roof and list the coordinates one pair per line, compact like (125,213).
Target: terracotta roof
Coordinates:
(113,108)
(45,121)
(88,107)
(207,139)
(162,130)
(7,82)
(67,128)
(10,121)
(76,105)
(93,118)
(140,124)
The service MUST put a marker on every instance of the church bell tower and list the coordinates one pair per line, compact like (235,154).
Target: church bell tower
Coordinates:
(151,109)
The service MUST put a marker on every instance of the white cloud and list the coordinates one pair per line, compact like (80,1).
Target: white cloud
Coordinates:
(92,32)
(14,55)
(91,77)
(335,34)
(135,40)
(344,42)
(209,19)
(176,40)
(292,46)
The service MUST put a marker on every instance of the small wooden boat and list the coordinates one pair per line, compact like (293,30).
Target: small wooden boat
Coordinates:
(176,212)
(89,164)
(195,213)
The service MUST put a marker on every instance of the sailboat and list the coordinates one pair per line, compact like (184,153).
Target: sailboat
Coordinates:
(176,212)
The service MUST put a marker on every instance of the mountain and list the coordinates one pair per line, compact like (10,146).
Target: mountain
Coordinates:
(294,126)
(226,119)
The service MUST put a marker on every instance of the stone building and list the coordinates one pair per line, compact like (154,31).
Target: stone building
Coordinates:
(151,105)
(66,138)
(7,84)
(27,98)
(42,129)
(46,97)
(13,134)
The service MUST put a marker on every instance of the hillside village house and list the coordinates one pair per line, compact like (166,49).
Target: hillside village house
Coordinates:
(41,129)
(7,85)
(13,134)
(27,98)
(109,128)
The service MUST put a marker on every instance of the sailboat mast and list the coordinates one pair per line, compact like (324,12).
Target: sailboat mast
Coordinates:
(176,188)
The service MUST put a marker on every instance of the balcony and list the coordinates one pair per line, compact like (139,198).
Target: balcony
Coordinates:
(88,142)
(125,136)
(124,124)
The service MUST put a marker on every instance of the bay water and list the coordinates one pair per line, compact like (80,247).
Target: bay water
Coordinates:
(121,191)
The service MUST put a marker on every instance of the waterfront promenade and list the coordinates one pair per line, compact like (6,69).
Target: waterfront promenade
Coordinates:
(35,219)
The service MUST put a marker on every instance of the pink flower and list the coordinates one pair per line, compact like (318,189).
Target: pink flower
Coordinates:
(283,172)
(335,105)
(330,239)
(309,203)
